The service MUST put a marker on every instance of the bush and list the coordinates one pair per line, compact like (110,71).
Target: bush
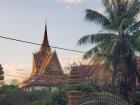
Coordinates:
(15,96)
(8,92)
(60,97)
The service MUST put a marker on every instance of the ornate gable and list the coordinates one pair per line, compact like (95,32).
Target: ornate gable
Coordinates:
(51,63)
(46,68)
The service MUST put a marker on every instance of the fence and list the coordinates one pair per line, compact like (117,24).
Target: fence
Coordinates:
(104,96)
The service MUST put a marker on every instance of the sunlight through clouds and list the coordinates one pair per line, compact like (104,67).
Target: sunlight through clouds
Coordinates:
(22,72)
(67,7)
(101,10)
(66,61)
(16,72)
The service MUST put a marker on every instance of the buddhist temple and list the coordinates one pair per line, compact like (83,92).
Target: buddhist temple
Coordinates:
(47,72)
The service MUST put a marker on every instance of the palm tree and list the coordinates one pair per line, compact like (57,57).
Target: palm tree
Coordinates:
(119,39)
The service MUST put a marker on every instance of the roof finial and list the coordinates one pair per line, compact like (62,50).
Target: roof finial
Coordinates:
(45,44)
(46,24)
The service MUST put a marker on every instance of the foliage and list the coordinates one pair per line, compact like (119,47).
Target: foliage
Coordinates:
(1,79)
(118,40)
(8,92)
(36,102)
(137,98)
(1,73)
(27,97)
(15,96)
(60,97)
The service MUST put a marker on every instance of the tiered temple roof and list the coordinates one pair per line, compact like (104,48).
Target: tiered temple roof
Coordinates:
(73,76)
(46,68)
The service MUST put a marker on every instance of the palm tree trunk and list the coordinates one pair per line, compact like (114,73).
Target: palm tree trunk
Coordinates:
(114,71)
(138,76)
(131,72)
(114,77)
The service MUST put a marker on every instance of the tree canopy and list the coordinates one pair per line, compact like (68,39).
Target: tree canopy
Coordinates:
(1,73)
(118,39)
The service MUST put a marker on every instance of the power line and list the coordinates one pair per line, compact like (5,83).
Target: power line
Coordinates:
(14,75)
(23,41)
(61,48)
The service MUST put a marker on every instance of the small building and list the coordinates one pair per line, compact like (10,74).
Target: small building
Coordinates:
(83,74)
(88,73)
(47,72)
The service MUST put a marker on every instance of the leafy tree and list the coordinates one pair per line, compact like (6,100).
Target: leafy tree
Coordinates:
(15,96)
(1,73)
(1,79)
(8,92)
(27,98)
(118,40)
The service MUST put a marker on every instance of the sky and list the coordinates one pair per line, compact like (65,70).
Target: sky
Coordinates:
(26,19)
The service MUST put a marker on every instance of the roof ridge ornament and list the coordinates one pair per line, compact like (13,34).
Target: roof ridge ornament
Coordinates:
(45,47)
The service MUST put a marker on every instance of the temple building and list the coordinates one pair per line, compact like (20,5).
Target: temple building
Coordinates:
(47,72)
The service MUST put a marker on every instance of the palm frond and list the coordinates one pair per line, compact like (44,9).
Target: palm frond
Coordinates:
(134,8)
(132,13)
(102,50)
(108,6)
(98,18)
(108,47)
(96,38)
(109,9)
(134,27)
(90,53)
(119,12)
(135,40)
(120,15)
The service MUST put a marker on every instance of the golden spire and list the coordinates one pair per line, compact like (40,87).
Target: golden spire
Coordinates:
(45,44)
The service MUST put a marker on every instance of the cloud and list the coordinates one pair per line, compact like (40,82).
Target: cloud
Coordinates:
(22,72)
(67,7)
(67,61)
(101,10)
(19,72)
(71,1)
